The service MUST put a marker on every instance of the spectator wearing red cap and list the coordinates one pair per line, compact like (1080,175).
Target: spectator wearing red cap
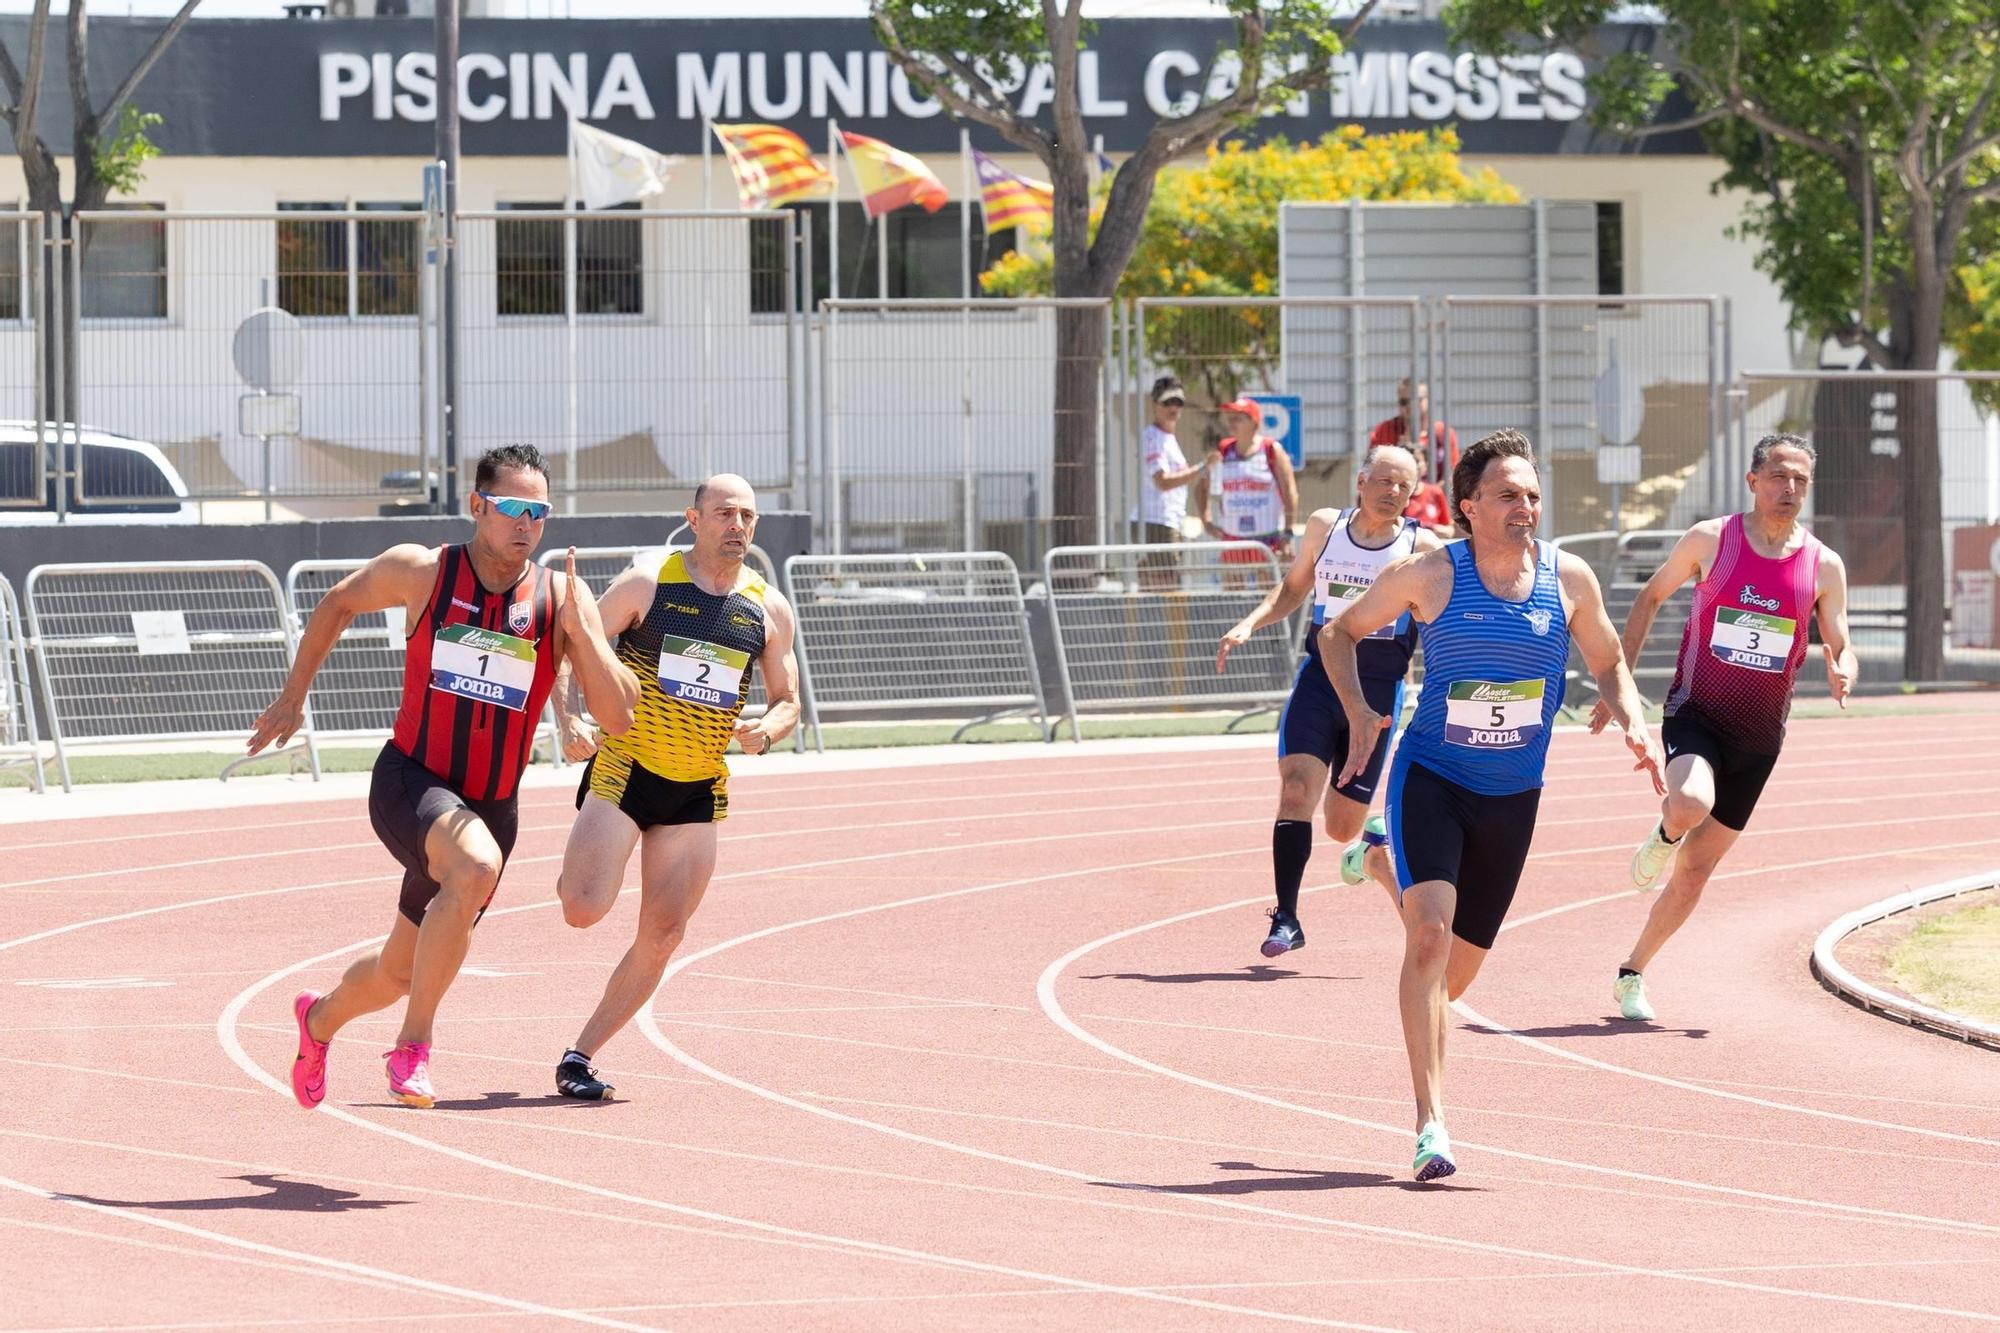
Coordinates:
(1430,505)
(1258,493)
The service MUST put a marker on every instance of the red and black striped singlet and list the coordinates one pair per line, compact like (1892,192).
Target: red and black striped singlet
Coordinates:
(476,676)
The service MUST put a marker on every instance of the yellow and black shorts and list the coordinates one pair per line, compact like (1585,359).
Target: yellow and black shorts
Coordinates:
(648,799)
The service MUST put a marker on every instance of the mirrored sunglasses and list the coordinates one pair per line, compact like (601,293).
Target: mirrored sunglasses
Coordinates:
(512,507)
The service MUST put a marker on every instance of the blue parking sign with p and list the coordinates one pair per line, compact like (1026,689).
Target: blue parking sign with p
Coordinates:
(1281,423)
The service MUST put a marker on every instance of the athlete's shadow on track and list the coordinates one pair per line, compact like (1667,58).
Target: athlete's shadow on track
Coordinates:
(1603,1027)
(502,1101)
(1285,1179)
(283,1196)
(1255,972)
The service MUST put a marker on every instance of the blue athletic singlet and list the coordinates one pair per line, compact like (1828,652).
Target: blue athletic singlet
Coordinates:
(1493,680)
(1346,569)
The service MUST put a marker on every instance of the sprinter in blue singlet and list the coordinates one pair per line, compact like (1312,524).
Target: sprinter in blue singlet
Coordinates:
(1497,612)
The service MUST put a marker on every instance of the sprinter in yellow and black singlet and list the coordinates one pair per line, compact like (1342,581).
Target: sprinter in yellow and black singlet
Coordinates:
(692,634)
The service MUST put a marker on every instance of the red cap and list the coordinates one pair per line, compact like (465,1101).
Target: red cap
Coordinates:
(1247,406)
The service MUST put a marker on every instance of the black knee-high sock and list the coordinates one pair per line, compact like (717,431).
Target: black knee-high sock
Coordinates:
(1291,848)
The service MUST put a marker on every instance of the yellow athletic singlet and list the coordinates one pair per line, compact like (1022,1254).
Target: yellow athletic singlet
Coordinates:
(692,653)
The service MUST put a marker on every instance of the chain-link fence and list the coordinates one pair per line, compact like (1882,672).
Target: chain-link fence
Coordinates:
(938,635)
(1136,627)
(158,652)
(1624,398)
(1907,489)
(264,354)
(644,351)
(969,425)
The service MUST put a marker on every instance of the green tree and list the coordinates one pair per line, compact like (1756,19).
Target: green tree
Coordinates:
(1868,135)
(971,55)
(1212,230)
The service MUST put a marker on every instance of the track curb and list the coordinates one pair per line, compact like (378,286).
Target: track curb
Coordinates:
(1836,978)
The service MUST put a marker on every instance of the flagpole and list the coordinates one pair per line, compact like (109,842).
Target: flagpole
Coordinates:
(833,206)
(707,147)
(965,214)
(1096,161)
(881,256)
(569,319)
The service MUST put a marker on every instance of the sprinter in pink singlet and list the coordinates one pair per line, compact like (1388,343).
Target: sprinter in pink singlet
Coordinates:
(1760,577)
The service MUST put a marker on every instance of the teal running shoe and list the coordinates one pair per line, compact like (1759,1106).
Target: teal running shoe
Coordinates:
(1434,1153)
(1354,861)
(1630,992)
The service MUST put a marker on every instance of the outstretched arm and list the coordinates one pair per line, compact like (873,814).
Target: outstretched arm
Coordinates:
(1289,593)
(610,690)
(400,576)
(1590,627)
(1842,667)
(781,681)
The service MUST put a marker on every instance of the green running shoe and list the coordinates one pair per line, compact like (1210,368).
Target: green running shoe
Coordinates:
(1354,861)
(1433,1153)
(1630,992)
(1652,858)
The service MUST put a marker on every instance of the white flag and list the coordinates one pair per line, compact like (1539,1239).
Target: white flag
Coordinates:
(612,171)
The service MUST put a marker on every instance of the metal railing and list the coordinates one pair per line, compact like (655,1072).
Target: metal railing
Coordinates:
(359,688)
(20,743)
(1136,627)
(132,652)
(1623,563)
(26,439)
(939,635)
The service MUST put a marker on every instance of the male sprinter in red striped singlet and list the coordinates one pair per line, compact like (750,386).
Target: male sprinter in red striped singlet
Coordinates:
(487,628)
(1759,577)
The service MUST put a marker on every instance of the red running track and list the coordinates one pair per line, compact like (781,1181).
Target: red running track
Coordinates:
(990,1045)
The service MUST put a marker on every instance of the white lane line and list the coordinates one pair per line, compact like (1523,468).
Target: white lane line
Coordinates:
(225,1029)
(1604,1066)
(324,1264)
(1045,990)
(119,1073)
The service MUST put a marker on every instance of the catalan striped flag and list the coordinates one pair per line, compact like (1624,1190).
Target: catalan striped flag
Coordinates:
(1012,201)
(891,178)
(772,165)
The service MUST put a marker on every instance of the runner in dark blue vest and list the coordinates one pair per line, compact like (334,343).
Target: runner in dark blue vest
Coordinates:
(1497,612)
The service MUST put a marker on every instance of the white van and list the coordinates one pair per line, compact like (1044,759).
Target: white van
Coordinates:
(149,487)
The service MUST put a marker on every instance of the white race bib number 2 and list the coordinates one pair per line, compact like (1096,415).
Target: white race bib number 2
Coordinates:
(1753,639)
(484,665)
(704,674)
(1335,597)
(1493,715)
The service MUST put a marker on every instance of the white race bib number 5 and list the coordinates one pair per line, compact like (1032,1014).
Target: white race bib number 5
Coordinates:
(1493,715)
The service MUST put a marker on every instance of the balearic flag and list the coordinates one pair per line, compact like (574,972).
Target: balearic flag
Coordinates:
(612,171)
(1012,201)
(772,165)
(890,178)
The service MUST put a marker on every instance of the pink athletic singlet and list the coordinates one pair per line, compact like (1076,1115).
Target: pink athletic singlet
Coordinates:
(1745,640)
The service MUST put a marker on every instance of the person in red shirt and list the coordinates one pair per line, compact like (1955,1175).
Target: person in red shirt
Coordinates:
(1430,505)
(487,629)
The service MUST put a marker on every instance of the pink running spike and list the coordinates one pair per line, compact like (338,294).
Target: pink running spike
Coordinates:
(309,1065)
(410,1074)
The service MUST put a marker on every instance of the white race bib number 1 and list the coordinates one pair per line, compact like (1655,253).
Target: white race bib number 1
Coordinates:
(483,664)
(1753,639)
(704,674)
(1493,715)
(1336,596)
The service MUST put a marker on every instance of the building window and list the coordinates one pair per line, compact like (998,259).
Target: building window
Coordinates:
(334,267)
(125,265)
(924,252)
(14,264)
(528,264)
(1610,249)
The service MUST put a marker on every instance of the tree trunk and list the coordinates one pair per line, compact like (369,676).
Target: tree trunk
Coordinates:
(1080,347)
(1923,526)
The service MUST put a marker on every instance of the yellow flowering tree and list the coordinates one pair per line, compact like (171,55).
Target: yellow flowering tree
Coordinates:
(1212,230)
(1973,323)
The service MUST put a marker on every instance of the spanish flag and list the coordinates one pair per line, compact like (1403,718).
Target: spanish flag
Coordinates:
(772,165)
(890,178)
(1012,201)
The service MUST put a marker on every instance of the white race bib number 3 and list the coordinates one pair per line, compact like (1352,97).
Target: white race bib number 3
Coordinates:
(483,664)
(1753,639)
(1335,597)
(1493,715)
(703,674)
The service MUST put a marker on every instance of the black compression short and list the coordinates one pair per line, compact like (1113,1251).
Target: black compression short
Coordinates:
(404,800)
(1740,774)
(1477,844)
